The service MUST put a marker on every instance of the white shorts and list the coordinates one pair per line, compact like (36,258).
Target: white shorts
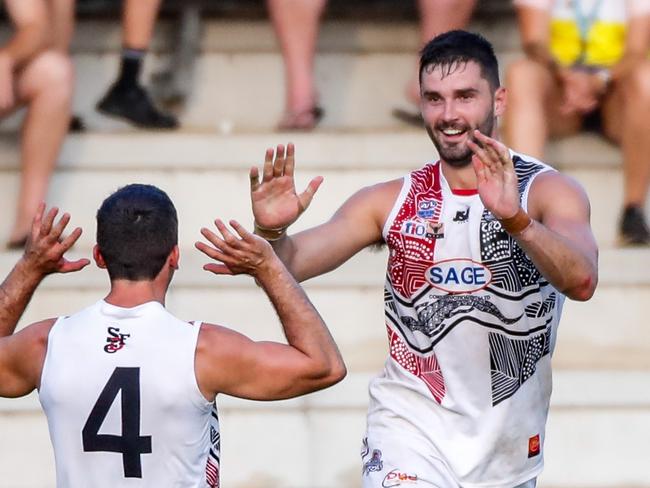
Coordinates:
(393,463)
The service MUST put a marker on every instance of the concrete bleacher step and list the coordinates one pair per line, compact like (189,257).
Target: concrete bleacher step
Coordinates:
(207,173)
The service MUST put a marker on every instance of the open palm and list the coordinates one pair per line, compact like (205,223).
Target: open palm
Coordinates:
(496,177)
(276,204)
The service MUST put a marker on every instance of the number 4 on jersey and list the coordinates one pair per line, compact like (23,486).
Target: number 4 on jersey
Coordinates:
(131,444)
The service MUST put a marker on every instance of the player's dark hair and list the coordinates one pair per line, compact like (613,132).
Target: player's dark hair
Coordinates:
(454,48)
(137,228)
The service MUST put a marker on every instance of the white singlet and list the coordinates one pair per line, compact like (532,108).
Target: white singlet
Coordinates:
(122,402)
(463,398)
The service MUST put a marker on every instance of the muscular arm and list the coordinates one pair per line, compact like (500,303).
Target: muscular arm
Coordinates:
(21,359)
(358,223)
(559,241)
(29,17)
(15,293)
(228,362)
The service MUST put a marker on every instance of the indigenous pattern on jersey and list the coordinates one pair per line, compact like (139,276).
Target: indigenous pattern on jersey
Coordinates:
(470,322)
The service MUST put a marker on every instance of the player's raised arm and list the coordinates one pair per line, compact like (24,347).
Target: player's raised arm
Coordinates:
(555,232)
(22,354)
(44,254)
(276,205)
(228,362)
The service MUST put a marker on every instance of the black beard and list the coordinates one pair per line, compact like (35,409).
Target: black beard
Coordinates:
(460,157)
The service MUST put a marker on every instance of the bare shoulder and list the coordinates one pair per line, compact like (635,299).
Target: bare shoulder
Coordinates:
(218,339)
(555,190)
(378,199)
(36,332)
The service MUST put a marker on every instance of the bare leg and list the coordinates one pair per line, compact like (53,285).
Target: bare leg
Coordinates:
(296,25)
(62,27)
(436,17)
(532,114)
(625,121)
(138,22)
(45,86)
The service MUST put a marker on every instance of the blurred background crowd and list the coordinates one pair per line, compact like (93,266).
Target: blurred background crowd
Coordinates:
(585,67)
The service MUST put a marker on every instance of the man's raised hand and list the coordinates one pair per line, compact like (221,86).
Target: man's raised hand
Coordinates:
(276,205)
(45,247)
(244,253)
(495,173)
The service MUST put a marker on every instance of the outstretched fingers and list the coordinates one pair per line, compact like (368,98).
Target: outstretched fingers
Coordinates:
(268,166)
(290,162)
(48,221)
(307,196)
(254,176)
(280,158)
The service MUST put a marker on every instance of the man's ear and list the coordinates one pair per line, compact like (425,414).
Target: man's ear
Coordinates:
(174,257)
(97,256)
(500,101)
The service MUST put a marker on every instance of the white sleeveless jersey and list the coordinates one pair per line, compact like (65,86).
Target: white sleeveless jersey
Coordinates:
(122,402)
(471,327)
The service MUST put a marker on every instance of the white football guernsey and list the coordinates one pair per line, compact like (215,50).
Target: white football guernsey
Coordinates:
(471,327)
(122,402)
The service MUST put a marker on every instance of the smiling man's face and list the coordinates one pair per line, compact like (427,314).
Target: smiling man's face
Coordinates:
(455,100)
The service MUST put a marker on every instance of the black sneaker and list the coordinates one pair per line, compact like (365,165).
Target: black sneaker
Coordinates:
(134,104)
(633,228)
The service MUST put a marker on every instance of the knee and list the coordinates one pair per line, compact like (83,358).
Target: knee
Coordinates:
(53,71)
(526,75)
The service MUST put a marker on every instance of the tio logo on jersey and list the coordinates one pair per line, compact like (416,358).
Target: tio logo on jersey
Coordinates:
(459,275)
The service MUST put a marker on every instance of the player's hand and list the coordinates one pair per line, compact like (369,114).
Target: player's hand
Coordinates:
(244,253)
(497,180)
(45,247)
(275,202)
(7,96)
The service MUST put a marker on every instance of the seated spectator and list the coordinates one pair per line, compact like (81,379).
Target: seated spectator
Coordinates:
(586,66)
(40,79)
(296,26)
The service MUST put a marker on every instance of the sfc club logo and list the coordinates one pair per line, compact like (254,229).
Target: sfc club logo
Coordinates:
(459,275)
(115,340)
(427,209)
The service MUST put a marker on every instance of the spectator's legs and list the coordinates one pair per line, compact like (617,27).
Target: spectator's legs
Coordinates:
(62,15)
(625,114)
(532,114)
(138,22)
(127,99)
(436,17)
(45,87)
(296,26)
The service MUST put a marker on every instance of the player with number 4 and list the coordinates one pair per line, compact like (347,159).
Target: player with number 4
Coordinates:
(129,389)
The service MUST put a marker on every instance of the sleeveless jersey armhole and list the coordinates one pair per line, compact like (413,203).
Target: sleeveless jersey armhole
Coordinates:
(524,197)
(50,336)
(406,187)
(197,397)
